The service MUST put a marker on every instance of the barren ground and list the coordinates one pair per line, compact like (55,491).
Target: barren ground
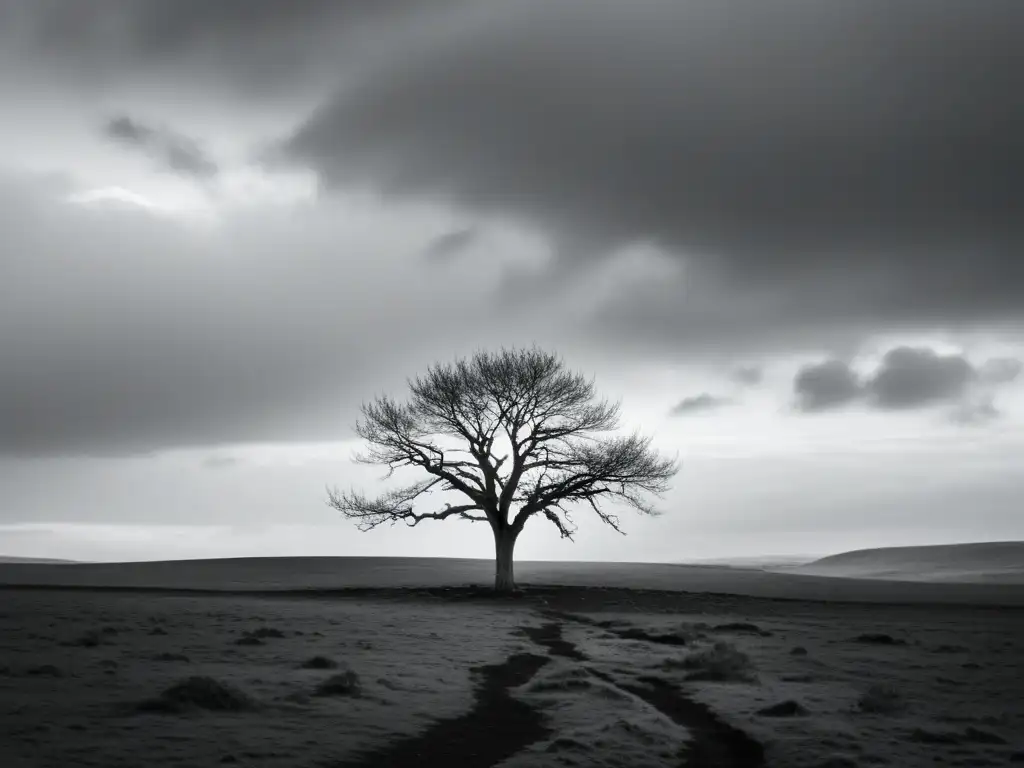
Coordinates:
(561,676)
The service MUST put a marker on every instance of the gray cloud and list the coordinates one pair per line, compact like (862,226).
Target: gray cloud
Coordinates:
(254,48)
(181,154)
(826,385)
(698,404)
(906,378)
(823,171)
(123,331)
(822,162)
(748,375)
(909,377)
(980,411)
(1001,370)
(450,244)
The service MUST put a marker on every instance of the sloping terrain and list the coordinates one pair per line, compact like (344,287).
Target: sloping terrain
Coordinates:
(997,562)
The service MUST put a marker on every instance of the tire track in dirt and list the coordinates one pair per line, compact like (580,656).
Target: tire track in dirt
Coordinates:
(714,744)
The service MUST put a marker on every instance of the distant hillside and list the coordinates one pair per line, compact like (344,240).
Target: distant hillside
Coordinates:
(324,574)
(756,561)
(994,562)
(46,560)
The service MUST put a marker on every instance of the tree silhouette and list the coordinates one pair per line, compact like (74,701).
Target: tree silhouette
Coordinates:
(517,435)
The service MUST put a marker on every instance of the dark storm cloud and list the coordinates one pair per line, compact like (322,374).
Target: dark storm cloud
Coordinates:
(906,378)
(449,245)
(181,154)
(909,377)
(826,385)
(258,47)
(855,163)
(698,404)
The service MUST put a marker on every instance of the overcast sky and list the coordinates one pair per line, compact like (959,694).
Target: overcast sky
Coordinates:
(788,235)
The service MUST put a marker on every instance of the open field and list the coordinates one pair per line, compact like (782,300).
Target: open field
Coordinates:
(566,676)
(333,573)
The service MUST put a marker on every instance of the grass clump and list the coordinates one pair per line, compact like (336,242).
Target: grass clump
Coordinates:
(789,708)
(878,638)
(266,632)
(44,670)
(722,662)
(199,693)
(881,699)
(744,627)
(171,657)
(319,662)
(90,639)
(345,683)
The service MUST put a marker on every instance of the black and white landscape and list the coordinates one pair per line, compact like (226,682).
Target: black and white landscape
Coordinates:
(592,665)
(511,383)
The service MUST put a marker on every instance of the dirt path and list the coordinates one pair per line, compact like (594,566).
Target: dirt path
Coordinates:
(496,728)
(715,744)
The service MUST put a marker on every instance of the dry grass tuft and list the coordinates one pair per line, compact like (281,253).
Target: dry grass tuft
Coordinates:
(881,699)
(44,670)
(199,693)
(723,662)
(878,638)
(319,662)
(171,657)
(789,708)
(742,627)
(345,683)
(266,632)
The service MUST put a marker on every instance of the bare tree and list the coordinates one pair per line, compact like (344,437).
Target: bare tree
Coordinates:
(516,435)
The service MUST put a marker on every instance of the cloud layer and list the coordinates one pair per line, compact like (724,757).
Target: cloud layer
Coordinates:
(739,180)
(907,378)
(698,404)
(177,152)
(837,163)
(123,330)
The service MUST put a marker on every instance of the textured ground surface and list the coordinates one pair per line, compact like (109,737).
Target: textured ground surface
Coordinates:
(587,677)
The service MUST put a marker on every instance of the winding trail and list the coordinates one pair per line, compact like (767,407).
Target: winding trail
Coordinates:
(499,725)
(496,728)
(714,744)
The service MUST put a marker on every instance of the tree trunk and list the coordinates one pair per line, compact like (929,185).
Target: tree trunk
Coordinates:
(504,574)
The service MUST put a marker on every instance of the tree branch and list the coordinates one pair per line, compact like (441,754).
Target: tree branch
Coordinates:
(557,455)
(394,506)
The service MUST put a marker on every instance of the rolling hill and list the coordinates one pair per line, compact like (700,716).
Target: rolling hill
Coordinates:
(994,562)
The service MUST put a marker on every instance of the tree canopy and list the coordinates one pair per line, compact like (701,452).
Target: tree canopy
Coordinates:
(516,435)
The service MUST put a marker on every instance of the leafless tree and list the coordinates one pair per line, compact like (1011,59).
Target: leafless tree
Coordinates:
(517,436)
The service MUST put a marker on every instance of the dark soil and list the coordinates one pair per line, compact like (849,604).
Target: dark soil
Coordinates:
(496,728)
(787,708)
(550,636)
(716,744)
